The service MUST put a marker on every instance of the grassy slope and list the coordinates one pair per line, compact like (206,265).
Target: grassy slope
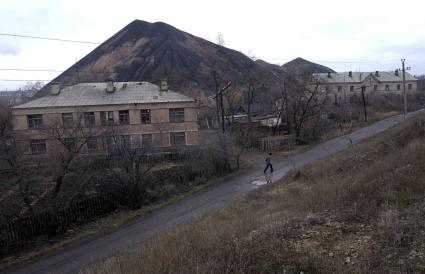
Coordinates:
(359,211)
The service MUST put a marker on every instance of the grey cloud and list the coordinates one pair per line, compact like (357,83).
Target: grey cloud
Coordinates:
(7,49)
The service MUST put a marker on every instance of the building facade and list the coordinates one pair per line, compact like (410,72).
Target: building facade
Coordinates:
(346,83)
(103,117)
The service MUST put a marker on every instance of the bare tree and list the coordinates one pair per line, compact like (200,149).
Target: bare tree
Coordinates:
(304,101)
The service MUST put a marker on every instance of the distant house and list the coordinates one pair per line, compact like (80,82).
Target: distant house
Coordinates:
(351,82)
(135,115)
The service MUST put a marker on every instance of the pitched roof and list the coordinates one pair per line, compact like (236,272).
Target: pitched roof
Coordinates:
(91,94)
(358,77)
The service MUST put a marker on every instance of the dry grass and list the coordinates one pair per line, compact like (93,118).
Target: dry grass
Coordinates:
(358,211)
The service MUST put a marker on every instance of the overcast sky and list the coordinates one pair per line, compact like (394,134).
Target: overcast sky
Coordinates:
(343,35)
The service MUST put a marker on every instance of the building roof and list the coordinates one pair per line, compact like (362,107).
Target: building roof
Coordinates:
(358,77)
(92,94)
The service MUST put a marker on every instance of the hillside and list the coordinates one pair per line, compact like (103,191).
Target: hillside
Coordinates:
(299,65)
(144,51)
(358,211)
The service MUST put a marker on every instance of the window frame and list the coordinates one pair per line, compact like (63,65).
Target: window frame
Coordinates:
(409,86)
(125,141)
(65,122)
(176,115)
(70,143)
(177,143)
(387,87)
(351,88)
(87,119)
(36,144)
(121,115)
(35,121)
(145,116)
(89,143)
(106,119)
(145,144)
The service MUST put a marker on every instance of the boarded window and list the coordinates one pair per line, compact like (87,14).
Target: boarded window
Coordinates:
(145,116)
(351,88)
(91,143)
(35,121)
(146,140)
(176,115)
(177,138)
(38,146)
(89,119)
(124,117)
(107,118)
(67,119)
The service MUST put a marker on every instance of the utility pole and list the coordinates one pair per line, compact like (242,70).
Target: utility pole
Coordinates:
(404,87)
(364,103)
(219,102)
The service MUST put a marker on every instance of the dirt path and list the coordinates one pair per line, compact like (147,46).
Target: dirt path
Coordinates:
(72,258)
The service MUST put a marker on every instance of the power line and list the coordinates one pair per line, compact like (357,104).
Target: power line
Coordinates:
(30,70)
(49,38)
(52,70)
(271,58)
(22,80)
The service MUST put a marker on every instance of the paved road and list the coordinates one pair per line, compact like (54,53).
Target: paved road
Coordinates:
(72,258)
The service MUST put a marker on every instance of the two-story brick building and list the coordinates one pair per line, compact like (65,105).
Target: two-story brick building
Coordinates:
(346,83)
(140,115)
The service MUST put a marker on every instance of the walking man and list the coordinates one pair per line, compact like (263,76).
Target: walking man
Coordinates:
(269,162)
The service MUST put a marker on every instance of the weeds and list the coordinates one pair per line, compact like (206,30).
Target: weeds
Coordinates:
(358,211)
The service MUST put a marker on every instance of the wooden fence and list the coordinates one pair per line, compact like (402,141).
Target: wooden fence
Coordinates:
(275,142)
(20,230)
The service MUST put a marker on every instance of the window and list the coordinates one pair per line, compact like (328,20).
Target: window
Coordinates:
(145,116)
(70,144)
(124,117)
(176,115)
(339,88)
(177,138)
(67,119)
(146,140)
(327,89)
(91,143)
(106,118)
(89,120)
(38,146)
(351,88)
(387,87)
(398,86)
(375,87)
(35,121)
(125,141)
(409,86)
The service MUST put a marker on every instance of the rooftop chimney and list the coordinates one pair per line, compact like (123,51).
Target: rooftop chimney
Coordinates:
(110,88)
(396,72)
(163,86)
(377,73)
(55,89)
(350,74)
(329,75)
